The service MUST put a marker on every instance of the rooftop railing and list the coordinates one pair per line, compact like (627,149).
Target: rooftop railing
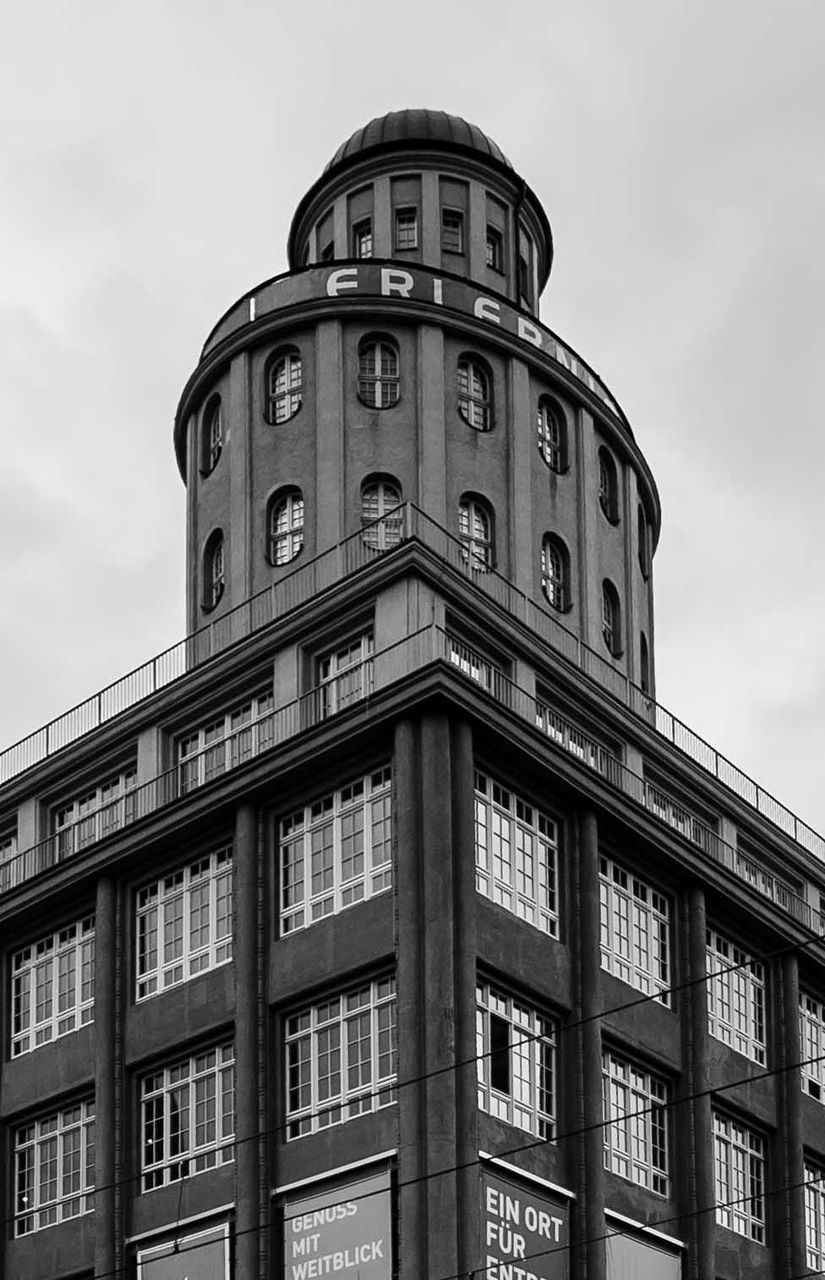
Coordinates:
(325,571)
(377,672)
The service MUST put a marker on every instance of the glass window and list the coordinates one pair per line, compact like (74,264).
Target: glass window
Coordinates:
(379,384)
(644,541)
(611,618)
(524,278)
(452,231)
(635,1124)
(381,514)
(644,663)
(406,228)
(812,1040)
(284,387)
(286,526)
(336,851)
(345,675)
(736,997)
(54,1168)
(474,395)
(183,923)
(211,434)
(635,930)
(341,1058)
(475,534)
(555,572)
(477,666)
(53,986)
(608,486)
(214,570)
(328,252)
(739,1163)
(187,1117)
(551,428)
(573,738)
(815,1217)
(494,249)
(516,1049)
(362,239)
(95,813)
(229,740)
(516,850)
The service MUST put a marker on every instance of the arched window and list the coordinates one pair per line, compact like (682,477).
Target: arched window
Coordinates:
(381,514)
(475,529)
(644,542)
(611,618)
(608,486)
(475,394)
(552,434)
(211,434)
(378,377)
(285,526)
(644,663)
(555,572)
(214,569)
(284,386)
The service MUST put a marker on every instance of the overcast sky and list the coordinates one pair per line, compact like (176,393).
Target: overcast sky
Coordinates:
(151,157)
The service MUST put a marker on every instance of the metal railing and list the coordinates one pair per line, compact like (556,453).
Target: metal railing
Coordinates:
(328,569)
(379,671)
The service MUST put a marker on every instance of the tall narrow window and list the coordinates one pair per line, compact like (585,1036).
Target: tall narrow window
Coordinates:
(362,239)
(634,930)
(516,1047)
(378,375)
(516,846)
(475,530)
(555,572)
(608,486)
(635,1129)
(286,526)
(452,231)
(611,618)
(644,663)
(494,249)
(211,434)
(381,514)
(345,675)
(188,1117)
(474,394)
(284,386)
(552,434)
(406,228)
(815,1217)
(524,278)
(644,541)
(214,571)
(812,1040)
(739,1160)
(736,997)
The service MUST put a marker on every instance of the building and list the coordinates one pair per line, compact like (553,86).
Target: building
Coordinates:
(387,926)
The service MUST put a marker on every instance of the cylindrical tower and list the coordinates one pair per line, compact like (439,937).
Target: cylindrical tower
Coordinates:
(401,360)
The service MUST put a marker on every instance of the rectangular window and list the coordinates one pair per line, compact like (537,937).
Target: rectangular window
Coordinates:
(184,923)
(341,1058)
(477,666)
(736,997)
(54,1168)
(336,851)
(812,1042)
(635,1124)
(8,854)
(452,231)
(635,930)
(345,675)
(53,986)
(575,740)
(516,854)
(815,1218)
(494,249)
(328,251)
(406,228)
(188,1117)
(95,813)
(362,239)
(739,1162)
(229,740)
(516,1047)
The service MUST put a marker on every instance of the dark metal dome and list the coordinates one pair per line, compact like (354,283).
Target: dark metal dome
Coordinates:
(416,126)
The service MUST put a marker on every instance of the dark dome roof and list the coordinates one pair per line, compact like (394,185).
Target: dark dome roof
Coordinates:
(413,126)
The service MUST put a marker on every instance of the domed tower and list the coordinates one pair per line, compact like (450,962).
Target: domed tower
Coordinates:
(401,360)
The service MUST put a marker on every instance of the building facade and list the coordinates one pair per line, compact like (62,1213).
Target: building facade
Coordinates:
(387,926)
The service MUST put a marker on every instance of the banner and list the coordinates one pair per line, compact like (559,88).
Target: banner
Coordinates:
(203,1255)
(525,1231)
(345,1232)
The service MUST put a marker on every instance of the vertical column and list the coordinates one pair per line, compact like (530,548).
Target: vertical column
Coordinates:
(193,566)
(590,1225)
(238,533)
(106,995)
(246,1042)
(382,225)
(631,613)
(581,570)
(791,1131)
(432,451)
(430,219)
(329,435)
(694,1117)
(523,552)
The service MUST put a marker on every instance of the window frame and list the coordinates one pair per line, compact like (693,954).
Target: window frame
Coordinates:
(814,1177)
(56,971)
(494,248)
(532,1062)
(190,1077)
(331,687)
(636,1139)
(377,388)
(734,1186)
(289,538)
(61,1141)
(611,619)
(219,745)
(452,238)
(737,1009)
(404,217)
(812,1041)
(169,913)
(510,833)
(94,813)
(363,240)
(211,433)
(283,386)
(383,528)
(552,444)
(635,930)
(556,587)
(474,391)
(305,1032)
(214,570)
(608,485)
(477,539)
